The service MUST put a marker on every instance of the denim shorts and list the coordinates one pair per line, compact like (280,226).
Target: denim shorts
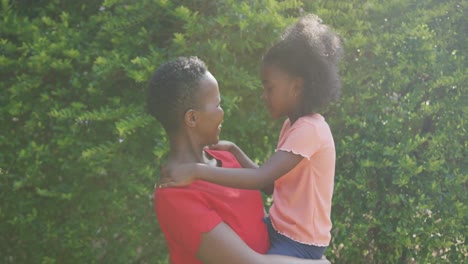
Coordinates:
(283,245)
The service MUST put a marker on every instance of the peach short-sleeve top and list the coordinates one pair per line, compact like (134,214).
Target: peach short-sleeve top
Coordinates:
(302,197)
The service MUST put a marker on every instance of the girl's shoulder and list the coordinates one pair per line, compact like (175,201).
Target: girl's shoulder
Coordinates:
(312,119)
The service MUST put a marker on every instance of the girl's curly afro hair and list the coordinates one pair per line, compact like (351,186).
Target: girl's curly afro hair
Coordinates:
(311,50)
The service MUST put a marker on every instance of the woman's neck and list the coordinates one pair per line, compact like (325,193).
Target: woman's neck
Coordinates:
(183,150)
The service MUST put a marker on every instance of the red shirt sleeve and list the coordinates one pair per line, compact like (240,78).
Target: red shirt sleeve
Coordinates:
(184,215)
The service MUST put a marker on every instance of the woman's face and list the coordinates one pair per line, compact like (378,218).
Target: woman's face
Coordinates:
(210,113)
(279,91)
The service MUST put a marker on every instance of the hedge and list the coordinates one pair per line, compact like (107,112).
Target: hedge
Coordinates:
(79,156)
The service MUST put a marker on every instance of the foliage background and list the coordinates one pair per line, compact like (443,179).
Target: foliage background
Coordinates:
(79,156)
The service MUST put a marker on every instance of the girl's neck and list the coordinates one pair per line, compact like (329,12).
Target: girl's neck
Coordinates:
(294,117)
(296,114)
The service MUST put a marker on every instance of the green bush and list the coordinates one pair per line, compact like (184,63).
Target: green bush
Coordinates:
(80,157)
(400,132)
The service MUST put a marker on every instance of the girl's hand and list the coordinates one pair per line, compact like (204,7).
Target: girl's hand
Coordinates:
(179,175)
(223,145)
(243,159)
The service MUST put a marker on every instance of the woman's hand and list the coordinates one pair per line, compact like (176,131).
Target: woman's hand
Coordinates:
(179,175)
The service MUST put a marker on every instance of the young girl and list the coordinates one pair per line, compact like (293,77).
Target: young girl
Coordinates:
(300,76)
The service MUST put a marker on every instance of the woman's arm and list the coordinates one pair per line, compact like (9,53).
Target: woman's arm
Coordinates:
(260,178)
(223,245)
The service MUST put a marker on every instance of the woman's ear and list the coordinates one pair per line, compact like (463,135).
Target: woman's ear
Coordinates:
(190,118)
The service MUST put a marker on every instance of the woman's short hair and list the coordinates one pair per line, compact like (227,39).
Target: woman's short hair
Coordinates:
(172,90)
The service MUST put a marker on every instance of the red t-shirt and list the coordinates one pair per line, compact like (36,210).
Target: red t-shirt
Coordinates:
(185,213)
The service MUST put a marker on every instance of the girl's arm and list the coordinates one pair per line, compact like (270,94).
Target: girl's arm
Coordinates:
(242,158)
(230,249)
(264,176)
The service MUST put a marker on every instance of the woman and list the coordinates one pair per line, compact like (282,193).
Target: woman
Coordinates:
(203,222)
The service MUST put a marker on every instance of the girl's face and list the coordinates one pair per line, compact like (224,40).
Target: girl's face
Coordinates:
(280,91)
(210,114)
